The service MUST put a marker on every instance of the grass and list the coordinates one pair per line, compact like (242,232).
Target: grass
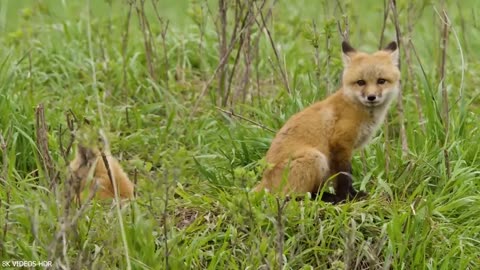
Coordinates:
(194,168)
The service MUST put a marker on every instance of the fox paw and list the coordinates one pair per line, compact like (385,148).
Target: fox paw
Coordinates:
(360,195)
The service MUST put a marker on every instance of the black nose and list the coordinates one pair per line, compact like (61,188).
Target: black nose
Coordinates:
(371,97)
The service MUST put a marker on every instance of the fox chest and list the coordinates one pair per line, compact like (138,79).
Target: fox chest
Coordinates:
(365,133)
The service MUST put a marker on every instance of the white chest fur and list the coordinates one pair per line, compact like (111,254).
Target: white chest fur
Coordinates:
(368,129)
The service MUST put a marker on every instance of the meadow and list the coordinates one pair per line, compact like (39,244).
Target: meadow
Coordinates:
(189,95)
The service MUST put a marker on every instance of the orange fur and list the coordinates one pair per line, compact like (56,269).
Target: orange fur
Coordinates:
(83,162)
(318,142)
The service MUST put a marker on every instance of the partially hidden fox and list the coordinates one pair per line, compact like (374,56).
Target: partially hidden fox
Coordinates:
(81,167)
(318,142)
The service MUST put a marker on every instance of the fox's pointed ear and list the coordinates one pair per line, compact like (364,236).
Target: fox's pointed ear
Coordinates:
(392,48)
(347,50)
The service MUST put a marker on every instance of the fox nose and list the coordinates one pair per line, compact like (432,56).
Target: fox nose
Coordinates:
(371,97)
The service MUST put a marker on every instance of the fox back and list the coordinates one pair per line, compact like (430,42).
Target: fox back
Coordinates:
(90,162)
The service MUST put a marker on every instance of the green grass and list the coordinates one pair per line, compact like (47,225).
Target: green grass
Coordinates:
(68,56)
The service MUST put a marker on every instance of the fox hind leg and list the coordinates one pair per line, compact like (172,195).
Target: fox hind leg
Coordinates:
(305,172)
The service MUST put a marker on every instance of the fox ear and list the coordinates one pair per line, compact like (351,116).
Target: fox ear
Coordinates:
(392,48)
(348,50)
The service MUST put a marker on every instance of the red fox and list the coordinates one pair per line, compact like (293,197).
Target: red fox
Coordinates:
(317,143)
(80,168)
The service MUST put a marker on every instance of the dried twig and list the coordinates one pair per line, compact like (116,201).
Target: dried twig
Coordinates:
(41,130)
(231,113)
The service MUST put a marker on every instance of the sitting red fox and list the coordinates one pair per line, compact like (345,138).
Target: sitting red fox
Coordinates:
(82,164)
(318,142)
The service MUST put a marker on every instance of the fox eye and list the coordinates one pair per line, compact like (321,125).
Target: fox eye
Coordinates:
(381,81)
(361,82)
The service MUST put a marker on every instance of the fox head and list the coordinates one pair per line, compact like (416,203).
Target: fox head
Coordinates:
(83,162)
(371,79)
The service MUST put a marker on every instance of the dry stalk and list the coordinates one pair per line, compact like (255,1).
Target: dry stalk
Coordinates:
(247,56)
(244,14)
(125,46)
(446,122)
(281,67)
(350,245)
(256,52)
(3,147)
(411,75)
(165,216)
(424,73)
(222,62)
(70,118)
(386,9)
(345,33)
(400,108)
(386,134)
(280,232)
(135,180)
(328,47)
(117,197)
(363,157)
(223,53)
(29,53)
(147,37)
(66,224)
(127,117)
(241,42)
(233,114)
(316,45)
(41,131)
(4,182)
(163,33)
(463,25)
